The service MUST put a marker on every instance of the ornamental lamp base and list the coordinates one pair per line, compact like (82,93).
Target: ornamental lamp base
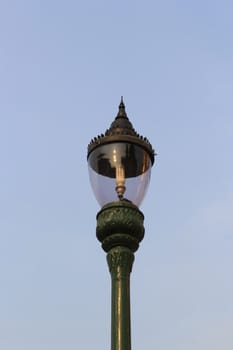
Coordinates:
(120,224)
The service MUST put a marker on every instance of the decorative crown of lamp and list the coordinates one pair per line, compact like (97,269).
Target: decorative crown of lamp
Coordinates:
(119,162)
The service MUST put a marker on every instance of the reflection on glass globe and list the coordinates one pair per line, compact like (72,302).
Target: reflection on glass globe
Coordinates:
(119,170)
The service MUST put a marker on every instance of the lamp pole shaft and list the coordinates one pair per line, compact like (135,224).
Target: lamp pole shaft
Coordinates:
(120,260)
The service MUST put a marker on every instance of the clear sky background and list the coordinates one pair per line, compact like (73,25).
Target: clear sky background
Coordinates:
(63,67)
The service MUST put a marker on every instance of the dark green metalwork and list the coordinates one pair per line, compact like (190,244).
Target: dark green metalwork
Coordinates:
(120,261)
(120,230)
(120,224)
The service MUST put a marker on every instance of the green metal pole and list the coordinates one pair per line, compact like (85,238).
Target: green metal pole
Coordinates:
(120,229)
(120,261)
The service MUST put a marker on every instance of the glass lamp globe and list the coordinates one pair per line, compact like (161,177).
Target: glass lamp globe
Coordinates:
(119,162)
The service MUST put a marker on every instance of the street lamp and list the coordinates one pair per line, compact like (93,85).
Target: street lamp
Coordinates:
(119,164)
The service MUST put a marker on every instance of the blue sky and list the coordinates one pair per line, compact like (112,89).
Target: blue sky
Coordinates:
(63,67)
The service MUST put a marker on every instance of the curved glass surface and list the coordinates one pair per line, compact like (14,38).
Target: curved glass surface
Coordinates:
(119,170)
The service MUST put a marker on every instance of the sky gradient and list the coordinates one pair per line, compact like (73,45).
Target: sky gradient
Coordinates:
(63,67)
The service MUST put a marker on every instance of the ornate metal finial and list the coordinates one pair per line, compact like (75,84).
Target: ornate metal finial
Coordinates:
(121,130)
(122,113)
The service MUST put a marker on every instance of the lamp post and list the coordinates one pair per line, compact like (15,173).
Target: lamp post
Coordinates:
(119,164)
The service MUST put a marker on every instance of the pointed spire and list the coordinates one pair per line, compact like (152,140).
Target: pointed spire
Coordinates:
(122,112)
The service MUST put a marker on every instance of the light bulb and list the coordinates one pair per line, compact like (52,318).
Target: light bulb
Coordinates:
(120,181)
